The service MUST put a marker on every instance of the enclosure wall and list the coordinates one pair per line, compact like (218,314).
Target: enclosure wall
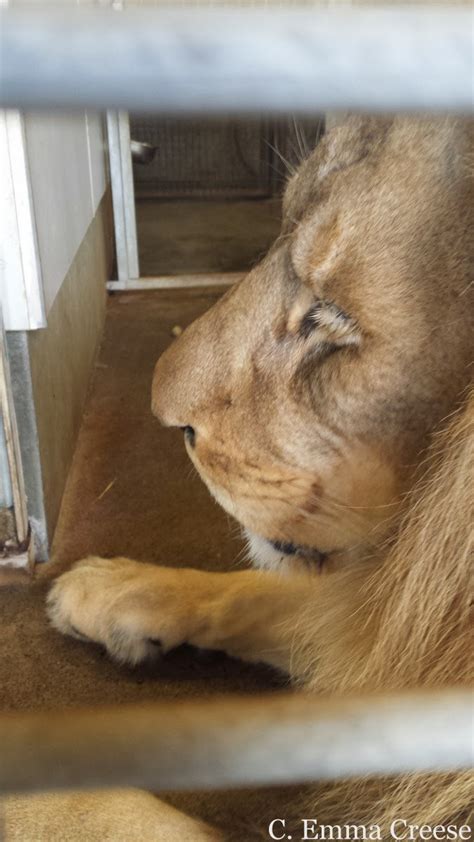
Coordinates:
(60,360)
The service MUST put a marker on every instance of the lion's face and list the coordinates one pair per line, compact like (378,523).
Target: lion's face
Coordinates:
(309,390)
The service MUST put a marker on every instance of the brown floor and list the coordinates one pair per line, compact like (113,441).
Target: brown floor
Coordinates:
(131,491)
(204,236)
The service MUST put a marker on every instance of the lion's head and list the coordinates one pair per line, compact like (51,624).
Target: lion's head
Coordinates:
(309,391)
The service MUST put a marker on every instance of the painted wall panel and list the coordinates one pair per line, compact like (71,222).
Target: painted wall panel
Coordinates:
(58,155)
(11,269)
(97,156)
(21,290)
(53,178)
(53,175)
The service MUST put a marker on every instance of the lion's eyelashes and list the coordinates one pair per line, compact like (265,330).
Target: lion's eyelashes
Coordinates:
(310,320)
(329,324)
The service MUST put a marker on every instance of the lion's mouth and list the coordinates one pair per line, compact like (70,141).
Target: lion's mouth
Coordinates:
(310,554)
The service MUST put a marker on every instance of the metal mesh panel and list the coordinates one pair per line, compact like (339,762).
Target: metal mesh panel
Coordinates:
(227,158)
(203,157)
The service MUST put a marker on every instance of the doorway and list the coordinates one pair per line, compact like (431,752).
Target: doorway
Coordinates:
(205,204)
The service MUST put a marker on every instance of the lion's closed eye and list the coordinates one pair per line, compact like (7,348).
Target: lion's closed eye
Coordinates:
(326,318)
(324,325)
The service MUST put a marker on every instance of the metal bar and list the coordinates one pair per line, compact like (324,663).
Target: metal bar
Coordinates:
(12,442)
(113,138)
(6,492)
(128,194)
(25,411)
(231,741)
(123,196)
(238,59)
(210,279)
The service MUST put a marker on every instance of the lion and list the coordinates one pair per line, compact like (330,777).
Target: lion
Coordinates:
(325,402)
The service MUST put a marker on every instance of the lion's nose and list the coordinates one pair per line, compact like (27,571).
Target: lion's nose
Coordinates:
(163,401)
(164,394)
(172,394)
(185,378)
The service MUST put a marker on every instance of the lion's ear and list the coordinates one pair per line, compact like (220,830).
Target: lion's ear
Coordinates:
(344,146)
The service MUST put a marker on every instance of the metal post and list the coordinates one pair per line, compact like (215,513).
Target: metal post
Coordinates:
(123,196)
(12,445)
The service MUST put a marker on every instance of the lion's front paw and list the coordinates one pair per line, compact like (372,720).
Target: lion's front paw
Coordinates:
(119,603)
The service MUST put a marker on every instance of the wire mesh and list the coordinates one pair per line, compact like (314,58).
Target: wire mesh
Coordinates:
(224,158)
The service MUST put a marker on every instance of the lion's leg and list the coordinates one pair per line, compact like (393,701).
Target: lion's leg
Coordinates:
(121,815)
(136,609)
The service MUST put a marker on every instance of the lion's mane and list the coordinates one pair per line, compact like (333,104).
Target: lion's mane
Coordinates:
(409,625)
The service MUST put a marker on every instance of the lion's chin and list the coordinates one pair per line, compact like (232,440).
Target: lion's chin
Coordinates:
(284,557)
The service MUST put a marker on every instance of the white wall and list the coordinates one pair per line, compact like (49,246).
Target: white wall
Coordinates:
(21,293)
(66,159)
(53,174)
(52,178)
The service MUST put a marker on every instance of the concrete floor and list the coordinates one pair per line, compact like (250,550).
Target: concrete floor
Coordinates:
(204,236)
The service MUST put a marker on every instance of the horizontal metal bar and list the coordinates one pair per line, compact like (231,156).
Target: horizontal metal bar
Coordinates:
(200,279)
(238,59)
(229,741)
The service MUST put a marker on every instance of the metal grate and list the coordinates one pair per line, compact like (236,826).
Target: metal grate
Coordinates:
(197,157)
(225,158)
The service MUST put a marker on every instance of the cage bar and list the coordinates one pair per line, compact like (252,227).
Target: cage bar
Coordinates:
(236,741)
(277,60)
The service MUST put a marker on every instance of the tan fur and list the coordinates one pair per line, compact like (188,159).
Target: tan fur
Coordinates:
(116,815)
(317,389)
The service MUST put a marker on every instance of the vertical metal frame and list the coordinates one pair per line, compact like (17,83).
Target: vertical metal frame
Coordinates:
(12,448)
(22,283)
(125,224)
(123,196)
